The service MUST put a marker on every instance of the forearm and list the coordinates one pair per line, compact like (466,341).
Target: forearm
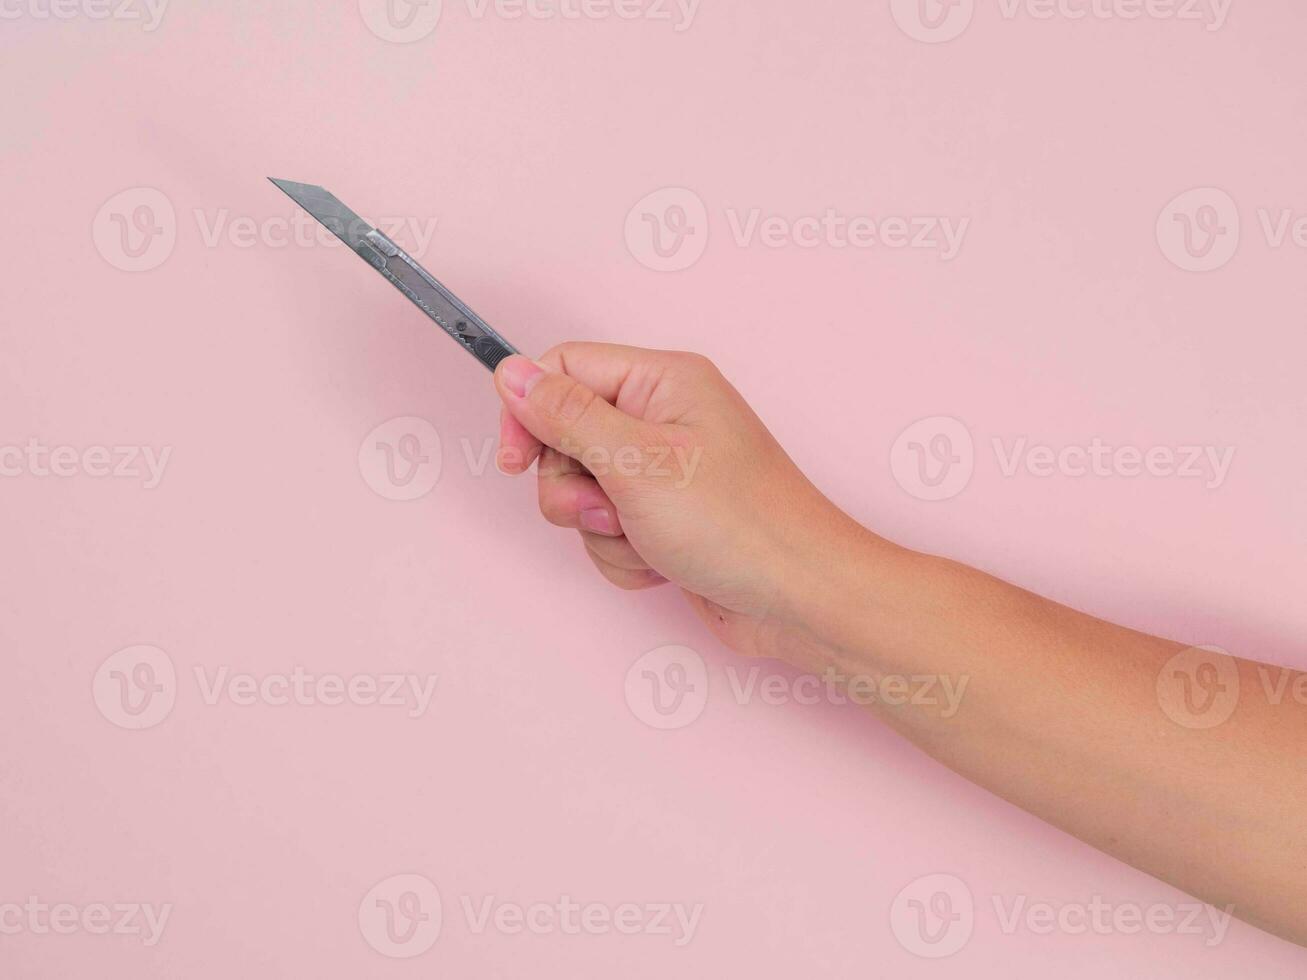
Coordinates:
(1051,709)
(1060,714)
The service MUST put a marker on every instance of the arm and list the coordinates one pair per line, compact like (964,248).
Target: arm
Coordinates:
(1176,761)
(1098,729)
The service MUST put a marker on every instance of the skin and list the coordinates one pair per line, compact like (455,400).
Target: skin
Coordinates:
(669,476)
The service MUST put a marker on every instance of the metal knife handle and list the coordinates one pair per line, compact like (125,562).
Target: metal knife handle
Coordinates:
(450,313)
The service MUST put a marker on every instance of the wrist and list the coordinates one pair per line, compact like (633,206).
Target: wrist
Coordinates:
(842,583)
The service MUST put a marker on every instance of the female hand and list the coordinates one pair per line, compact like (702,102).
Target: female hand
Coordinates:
(668,475)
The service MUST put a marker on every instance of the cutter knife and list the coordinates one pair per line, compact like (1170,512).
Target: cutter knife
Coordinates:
(403,271)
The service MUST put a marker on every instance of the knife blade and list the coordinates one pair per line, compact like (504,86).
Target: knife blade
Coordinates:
(402,271)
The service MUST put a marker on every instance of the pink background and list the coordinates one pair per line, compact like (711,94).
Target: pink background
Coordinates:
(529,777)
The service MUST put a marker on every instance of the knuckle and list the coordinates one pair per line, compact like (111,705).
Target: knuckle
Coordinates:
(553,509)
(623,578)
(568,403)
(548,395)
(557,354)
(616,552)
(552,465)
(695,364)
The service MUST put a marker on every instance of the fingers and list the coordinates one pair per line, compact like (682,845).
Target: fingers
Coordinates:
(572,498)
(593,414)
(631,379)
(659,385)
(567,415)
(606,369)
(603,368)
(626,578)
(618,552)
(518,449)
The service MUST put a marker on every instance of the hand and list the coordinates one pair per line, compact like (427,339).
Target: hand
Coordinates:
(668,475)
(1061,716)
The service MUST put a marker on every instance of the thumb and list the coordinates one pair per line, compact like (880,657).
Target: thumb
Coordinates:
(564,414)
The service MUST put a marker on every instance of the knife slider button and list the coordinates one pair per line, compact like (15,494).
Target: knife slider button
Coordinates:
(382,243)
(371,254)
